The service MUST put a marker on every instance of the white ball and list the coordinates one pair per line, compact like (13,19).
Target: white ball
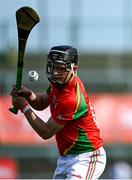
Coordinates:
(33,76)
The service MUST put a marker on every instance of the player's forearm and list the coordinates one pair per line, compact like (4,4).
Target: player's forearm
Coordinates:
(38,124)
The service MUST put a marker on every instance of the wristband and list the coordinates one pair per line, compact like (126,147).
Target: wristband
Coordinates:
(26,108)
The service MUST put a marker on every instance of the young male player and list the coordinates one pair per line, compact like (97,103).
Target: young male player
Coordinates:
(72,121)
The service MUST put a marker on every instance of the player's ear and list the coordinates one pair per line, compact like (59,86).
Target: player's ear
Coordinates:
(75,70)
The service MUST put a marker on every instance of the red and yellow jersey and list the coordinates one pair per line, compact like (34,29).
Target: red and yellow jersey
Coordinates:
(71,107)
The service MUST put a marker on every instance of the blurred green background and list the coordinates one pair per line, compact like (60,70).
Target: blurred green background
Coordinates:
(102,32)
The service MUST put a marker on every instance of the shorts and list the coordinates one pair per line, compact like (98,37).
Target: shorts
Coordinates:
(89,165)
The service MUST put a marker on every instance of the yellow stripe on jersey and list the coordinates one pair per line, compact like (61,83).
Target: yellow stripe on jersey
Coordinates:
(68,149)
(78,97)
(81,107)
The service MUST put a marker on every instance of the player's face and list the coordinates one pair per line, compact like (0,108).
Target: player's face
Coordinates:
(59,72)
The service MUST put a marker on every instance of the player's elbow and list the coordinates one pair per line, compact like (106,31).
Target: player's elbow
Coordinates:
(46,136)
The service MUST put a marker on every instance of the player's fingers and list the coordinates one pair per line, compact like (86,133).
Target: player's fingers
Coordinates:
(21,93)
(24,92)
(14,101)
(18,92)
(14,93)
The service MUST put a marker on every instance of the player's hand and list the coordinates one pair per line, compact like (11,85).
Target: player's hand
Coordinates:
(24,92)
(18,96)
(18,102)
